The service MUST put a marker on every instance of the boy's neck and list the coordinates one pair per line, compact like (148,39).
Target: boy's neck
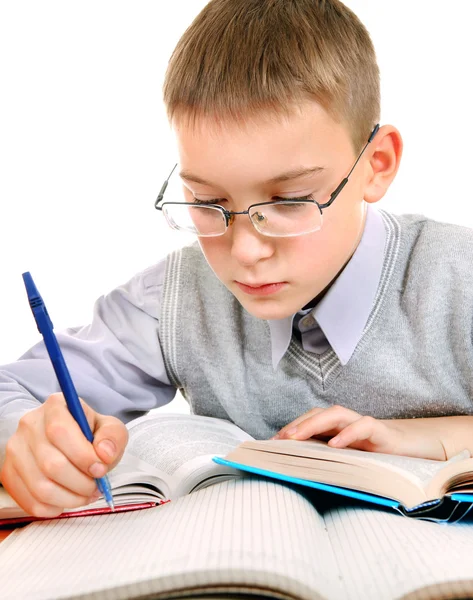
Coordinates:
(313,303)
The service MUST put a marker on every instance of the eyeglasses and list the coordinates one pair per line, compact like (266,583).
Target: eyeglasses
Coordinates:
(279,218)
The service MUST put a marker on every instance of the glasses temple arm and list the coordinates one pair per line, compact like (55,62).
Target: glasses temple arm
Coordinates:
(343,183)
(163,189)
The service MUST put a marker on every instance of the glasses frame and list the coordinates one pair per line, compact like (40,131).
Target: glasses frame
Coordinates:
(229,215)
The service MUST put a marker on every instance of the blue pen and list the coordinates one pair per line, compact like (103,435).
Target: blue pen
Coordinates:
(45,328)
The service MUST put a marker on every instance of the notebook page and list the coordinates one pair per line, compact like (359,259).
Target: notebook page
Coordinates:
(383,555)
(247,531)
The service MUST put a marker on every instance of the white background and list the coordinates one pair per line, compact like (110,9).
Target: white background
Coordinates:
(85,145)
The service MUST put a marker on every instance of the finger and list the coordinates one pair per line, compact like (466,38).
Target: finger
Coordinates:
(43,489)
(54,465)
(366,432)
(110,439)
(63,432)
(333,419)
(293,424)
(22,496)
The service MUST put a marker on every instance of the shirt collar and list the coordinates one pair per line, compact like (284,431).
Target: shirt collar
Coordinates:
(344,310)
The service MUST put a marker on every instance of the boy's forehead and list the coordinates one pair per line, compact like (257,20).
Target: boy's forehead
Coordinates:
(307,116)
(281,146)
(285,176)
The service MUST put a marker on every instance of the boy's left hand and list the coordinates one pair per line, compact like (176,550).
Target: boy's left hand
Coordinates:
(344,427)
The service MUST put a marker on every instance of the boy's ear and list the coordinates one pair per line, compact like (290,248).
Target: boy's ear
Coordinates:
(384,163)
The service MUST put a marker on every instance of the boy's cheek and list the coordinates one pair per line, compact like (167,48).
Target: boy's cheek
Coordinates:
(217,257)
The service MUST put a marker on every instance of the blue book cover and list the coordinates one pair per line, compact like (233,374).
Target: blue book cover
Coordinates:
(428,510)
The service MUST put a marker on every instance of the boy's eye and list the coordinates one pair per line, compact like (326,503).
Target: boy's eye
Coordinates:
(299,199)
(275,199)
(212,201)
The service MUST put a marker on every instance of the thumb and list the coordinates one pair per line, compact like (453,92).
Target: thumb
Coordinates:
(110,436)
(110,439)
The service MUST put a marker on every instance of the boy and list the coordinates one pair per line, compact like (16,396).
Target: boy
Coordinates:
(322,317)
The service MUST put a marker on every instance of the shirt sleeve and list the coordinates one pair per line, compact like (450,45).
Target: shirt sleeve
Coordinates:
(116,362)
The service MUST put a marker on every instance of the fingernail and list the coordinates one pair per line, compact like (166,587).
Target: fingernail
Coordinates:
(335,441)
(95,496)
(275,437)
(291,431)
(108,447)
(97,470)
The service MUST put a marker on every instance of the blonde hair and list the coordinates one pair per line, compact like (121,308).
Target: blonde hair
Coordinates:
(239,58)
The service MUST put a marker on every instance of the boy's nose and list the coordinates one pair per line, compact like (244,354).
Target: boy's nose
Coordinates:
(248,246)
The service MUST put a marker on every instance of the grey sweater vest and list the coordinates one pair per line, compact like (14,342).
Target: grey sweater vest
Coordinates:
(415,358)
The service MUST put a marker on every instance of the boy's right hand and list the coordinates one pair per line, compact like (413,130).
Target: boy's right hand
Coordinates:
(49,464)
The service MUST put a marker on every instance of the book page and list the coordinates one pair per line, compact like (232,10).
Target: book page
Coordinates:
(181,448)
(419,470)
(132,480)
(383,555)
(242,534)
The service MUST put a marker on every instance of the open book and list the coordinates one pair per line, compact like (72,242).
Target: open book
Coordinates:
(414,485)
(168,455)
(241,539)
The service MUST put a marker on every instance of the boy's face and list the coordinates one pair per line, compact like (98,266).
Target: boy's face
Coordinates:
(237,162)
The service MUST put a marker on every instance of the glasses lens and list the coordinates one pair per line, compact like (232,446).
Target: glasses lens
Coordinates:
(201,220)
(286,218)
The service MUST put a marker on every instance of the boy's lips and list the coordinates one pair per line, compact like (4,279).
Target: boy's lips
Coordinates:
(262,289)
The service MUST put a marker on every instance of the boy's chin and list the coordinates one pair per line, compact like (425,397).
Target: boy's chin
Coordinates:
(268,311)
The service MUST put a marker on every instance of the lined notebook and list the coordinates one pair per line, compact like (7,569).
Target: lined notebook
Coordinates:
(234,539)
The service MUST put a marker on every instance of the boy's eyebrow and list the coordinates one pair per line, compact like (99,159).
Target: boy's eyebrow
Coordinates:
(287,176)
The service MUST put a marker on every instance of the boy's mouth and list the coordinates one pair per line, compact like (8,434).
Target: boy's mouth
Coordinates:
(263,289)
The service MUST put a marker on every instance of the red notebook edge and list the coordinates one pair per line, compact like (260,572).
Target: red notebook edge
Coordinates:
(86,512)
